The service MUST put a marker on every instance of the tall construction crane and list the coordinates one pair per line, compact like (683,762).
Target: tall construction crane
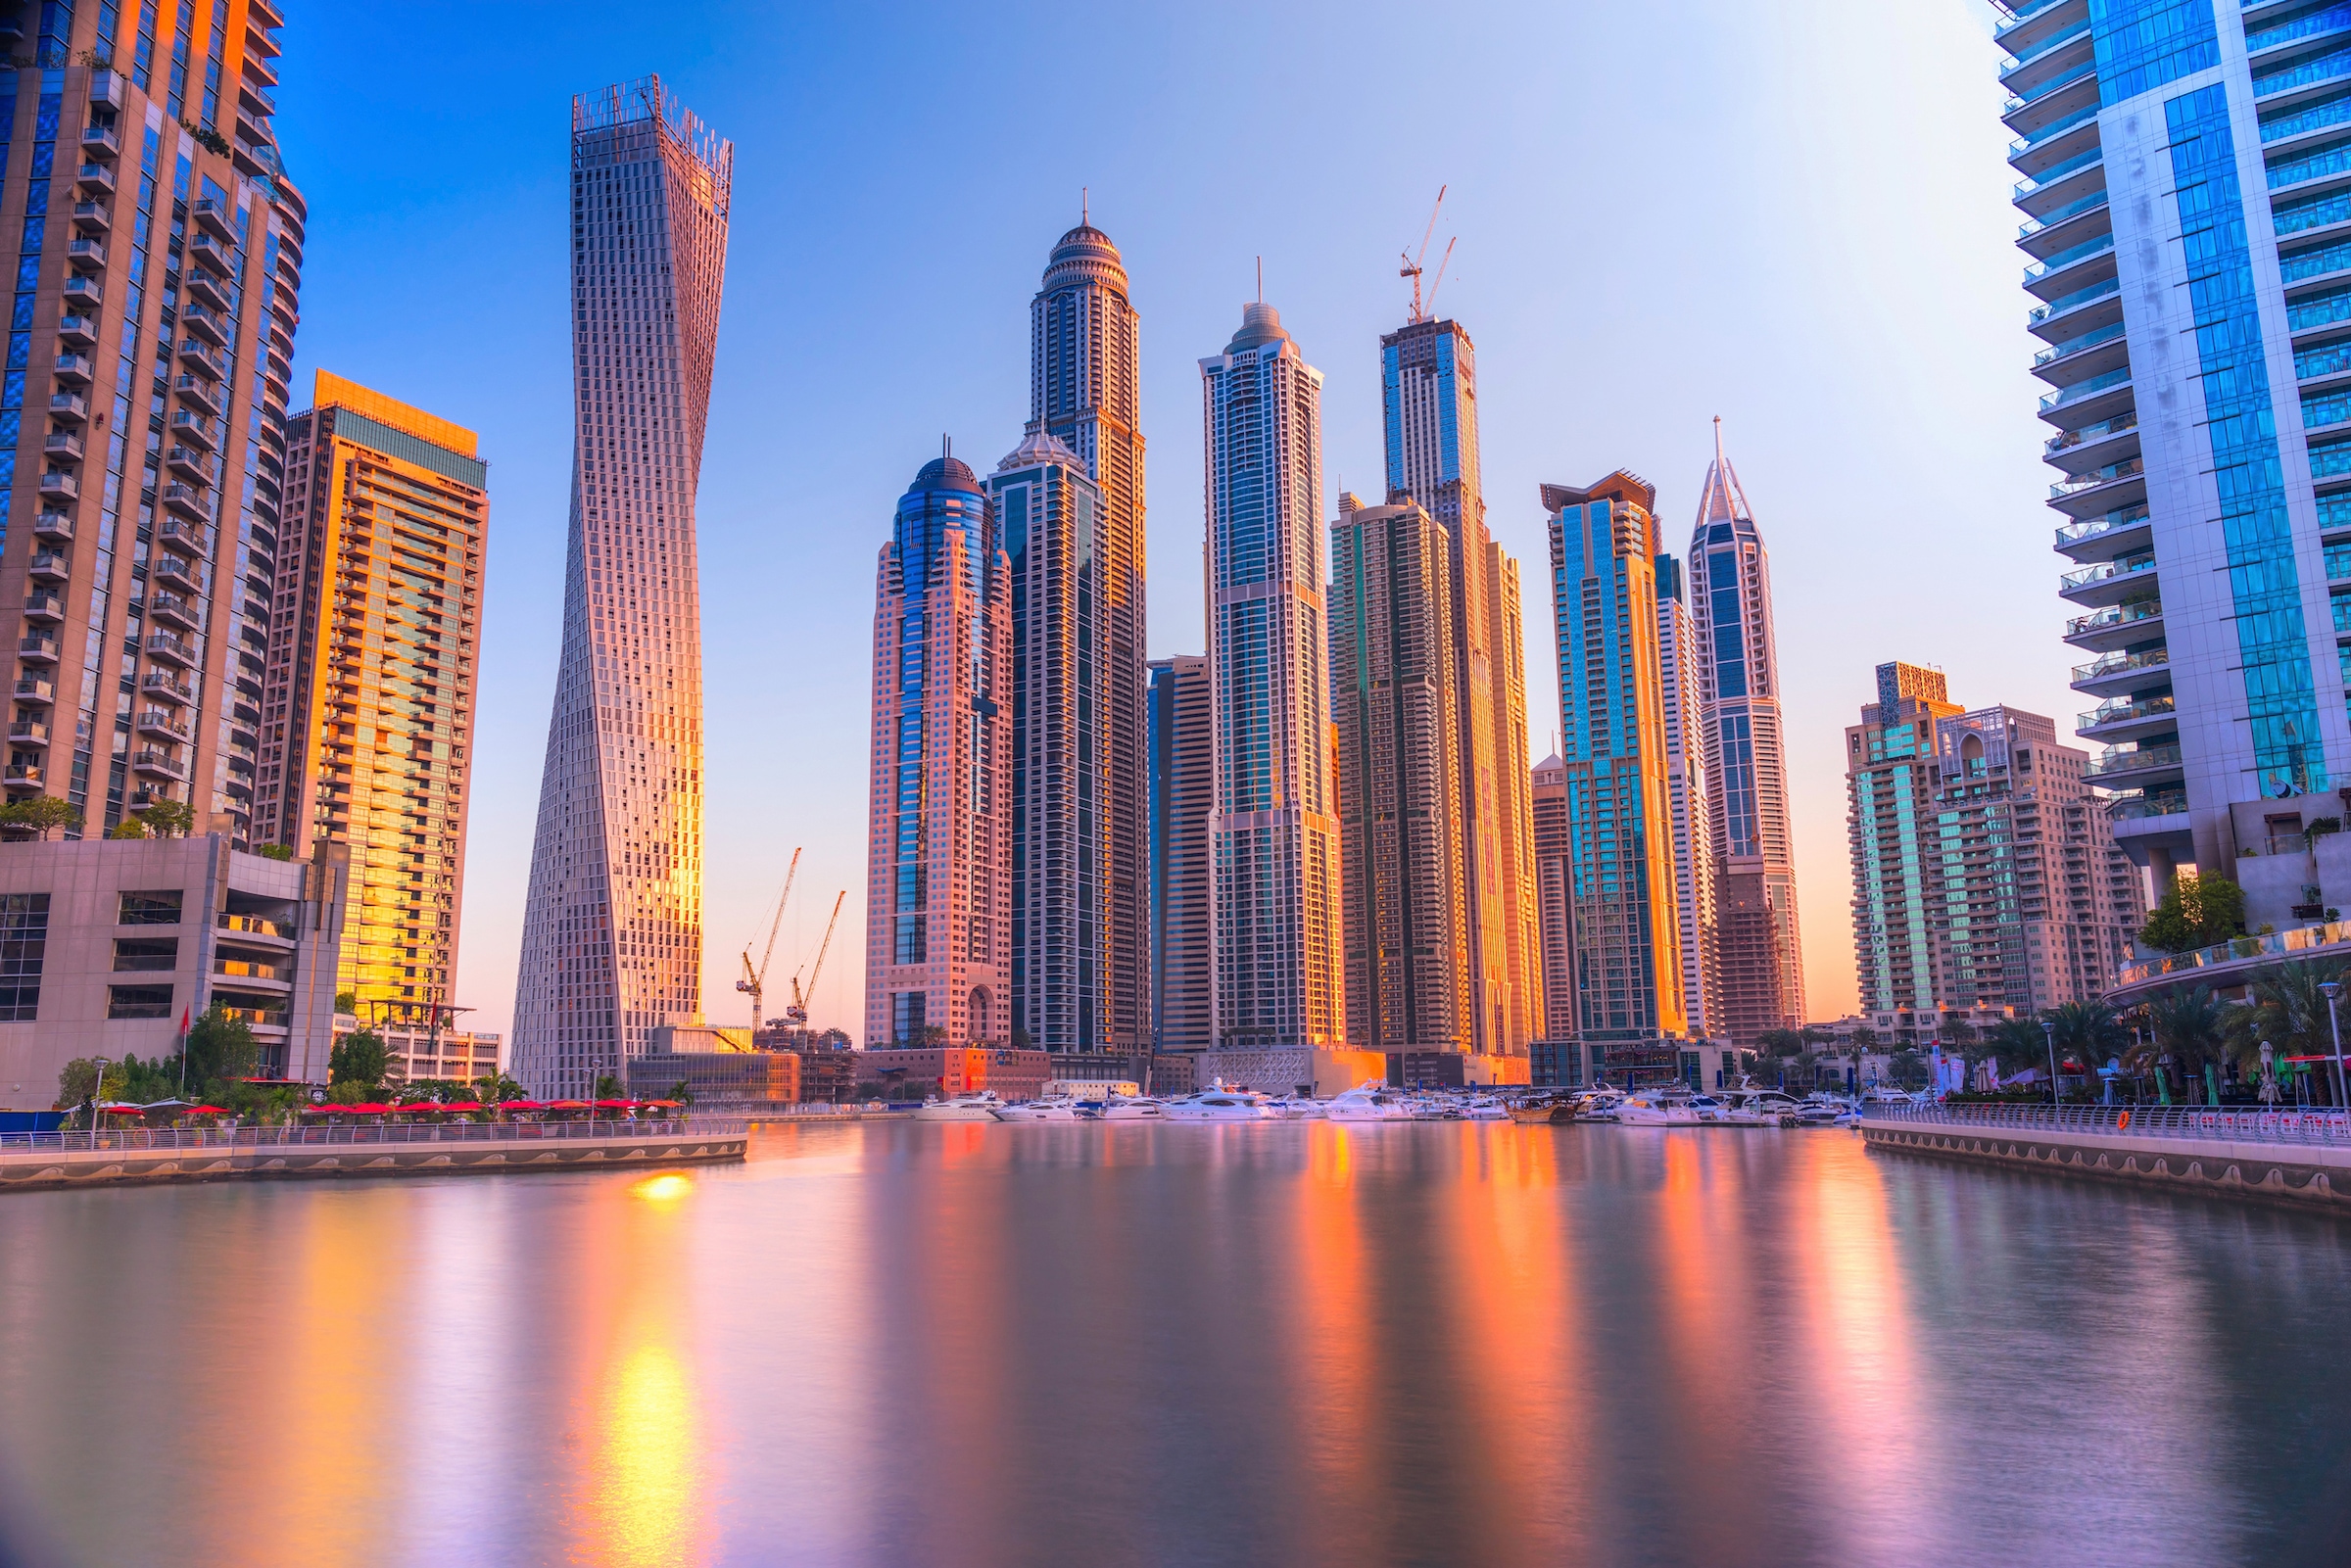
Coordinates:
(797,1015)
(754,980)
(1411,264)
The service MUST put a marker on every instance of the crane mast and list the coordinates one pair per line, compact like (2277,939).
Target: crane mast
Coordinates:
(754,980)
(797,1015)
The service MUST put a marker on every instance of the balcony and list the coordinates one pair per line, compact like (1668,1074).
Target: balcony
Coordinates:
(2136,621)
(2093,354)
(159,687)
(92,217)
(198,393)
(156,763)
(2057,275)
(89,254)
(191,463)
(2086,309)
(171,610)
(170,649)
(28,733)
(81,331)
(95,179)
(99,142)
(61,487)
(206,324)
(259,69)
(25,775)
(186,538)
(32,689)
(215,218)
(62,446)
(2048,231)
(2100,395)
(203,358)
(206,251)
(2048,184)
(2046,53)
(83,294)
(74,369)
(207,289)
(2120,721)
(164,723)
(38,649)
(2134,765)
(2056,98)
(53,526)
(40,607)
(2108,582)
(192,428)
(2278,85)
(47,566)
(187,500)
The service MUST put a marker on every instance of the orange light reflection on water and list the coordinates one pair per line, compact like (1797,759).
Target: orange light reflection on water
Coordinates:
(1333,1344)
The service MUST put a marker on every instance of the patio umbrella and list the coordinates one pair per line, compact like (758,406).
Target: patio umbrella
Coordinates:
(207,1110)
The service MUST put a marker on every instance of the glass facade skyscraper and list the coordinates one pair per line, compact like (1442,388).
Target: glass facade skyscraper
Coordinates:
(939,851)
(2187,222)
(1084,378)
(1428,398)
(612,934)
(1758,973)
(1183,783)
(1272,830)
(1622,911)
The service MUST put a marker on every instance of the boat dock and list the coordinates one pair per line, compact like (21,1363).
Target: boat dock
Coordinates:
(53,1160)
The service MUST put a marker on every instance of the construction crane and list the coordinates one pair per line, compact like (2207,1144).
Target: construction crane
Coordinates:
(797,1015)
(754,980)
(1411,264)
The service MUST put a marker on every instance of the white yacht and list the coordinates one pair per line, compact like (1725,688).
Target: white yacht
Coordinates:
(1369,1100)
(1133,1108)
(1298,1108)
(1484,1108)
(1217,1103)
(1658,1108)
(1600,1105)
(1052,1107)
(981,1107)
(1748,1107)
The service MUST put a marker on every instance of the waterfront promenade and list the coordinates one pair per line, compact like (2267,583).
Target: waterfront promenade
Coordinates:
(53,1160)
(2300,1156)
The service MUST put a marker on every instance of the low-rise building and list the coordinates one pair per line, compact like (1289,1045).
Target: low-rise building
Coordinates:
(948,1071)
(772,1077)
(109,947)
(454,1056)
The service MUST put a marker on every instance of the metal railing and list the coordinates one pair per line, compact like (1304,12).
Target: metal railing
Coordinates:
(2307,1126)
(2287,944)
(135,1140)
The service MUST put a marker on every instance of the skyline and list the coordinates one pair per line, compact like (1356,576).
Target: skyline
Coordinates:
(1807,296)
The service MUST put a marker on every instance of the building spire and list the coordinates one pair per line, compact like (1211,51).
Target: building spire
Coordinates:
(1085,211)
(1261,280)
(1721,501)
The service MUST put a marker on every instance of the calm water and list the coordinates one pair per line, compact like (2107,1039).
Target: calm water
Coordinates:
(1297,1343)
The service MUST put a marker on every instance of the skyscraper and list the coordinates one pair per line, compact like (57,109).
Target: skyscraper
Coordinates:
(1985,876)
(1429,377)
(1621,894)
(1055,535)
(1679,655)
(1273,849)
(1759,954)
(939,851)
(157,261)
(612,934)
(369,688)
(1549,792)
(1085,382)
(1405,924)
(1183,784)
(2187,268)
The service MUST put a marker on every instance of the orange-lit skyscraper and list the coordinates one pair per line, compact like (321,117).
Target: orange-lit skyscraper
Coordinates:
(157,247)
(612,931)
(368,696)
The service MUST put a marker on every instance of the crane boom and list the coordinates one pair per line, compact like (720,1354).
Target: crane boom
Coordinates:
(798,1013)
(1440,278)
(754,980)
(1411,267)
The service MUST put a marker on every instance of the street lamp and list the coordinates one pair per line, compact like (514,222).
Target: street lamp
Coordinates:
(2334,991)
(98,1094)
(2048,1032)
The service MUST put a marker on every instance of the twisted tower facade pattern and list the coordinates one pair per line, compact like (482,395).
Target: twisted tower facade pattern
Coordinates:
(612,942)
(1085,392)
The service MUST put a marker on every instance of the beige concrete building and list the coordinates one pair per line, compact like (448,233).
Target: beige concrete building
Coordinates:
(108,946)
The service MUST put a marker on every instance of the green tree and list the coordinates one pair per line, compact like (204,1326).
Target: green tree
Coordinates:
(168,819)
(1909,1069)
(1781,1042)
(220,1051)
(39,816)
(2017,1044)
(2191,1025)
(608,1087)
(680,1091)
(2287,1008)
(359,1057)
(275,851)
(127,828)
(2088,1032)
(497,1089)
(1864,1038)
(2195,912)
(77,1082)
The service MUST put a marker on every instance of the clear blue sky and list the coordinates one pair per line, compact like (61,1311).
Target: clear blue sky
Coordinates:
(1794,217)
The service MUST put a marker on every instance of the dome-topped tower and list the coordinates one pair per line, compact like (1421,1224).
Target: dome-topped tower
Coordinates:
(1084,254)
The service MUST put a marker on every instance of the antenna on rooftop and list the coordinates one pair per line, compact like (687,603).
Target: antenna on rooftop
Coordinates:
(1085,208)
(1261,280)
(1411,264)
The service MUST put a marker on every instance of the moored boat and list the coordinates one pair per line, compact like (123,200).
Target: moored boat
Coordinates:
(981,1107)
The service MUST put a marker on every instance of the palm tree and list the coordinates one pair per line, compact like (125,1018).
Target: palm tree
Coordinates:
(2289,1010)
(2087,1032)
(2191,1025)
(2017,1044)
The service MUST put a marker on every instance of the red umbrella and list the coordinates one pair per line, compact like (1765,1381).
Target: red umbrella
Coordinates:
(209,1111)
(324,1109)
(372,1109)
(459,1105)
(664,1105)
(522,1105)
(568,1105)
(617,1105)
